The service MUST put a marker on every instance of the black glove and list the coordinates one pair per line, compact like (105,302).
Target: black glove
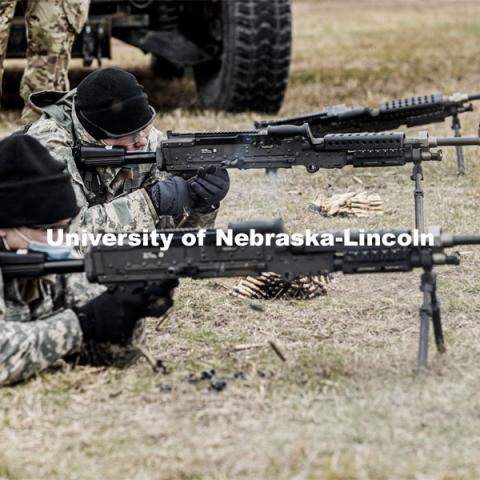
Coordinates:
(170,196)
(112,316)
(208,188)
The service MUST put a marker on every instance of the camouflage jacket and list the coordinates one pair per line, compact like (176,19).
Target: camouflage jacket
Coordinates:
(111,199)
(38,327)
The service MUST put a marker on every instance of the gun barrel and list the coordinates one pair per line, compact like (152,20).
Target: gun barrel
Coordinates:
(466,239)
(455,141)
(272,226)
(474,96)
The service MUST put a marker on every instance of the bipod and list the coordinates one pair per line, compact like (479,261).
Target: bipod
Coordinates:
(417,177)
(457,128)
(430,309)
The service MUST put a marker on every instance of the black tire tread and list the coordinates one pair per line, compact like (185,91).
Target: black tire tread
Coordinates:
(258,57)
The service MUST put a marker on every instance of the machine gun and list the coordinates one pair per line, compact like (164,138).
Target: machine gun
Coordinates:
(136,267)
(283,146)
(411,112)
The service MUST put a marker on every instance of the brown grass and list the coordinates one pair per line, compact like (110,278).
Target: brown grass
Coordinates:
(346,404)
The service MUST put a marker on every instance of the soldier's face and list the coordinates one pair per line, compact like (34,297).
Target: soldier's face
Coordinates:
(19,238)
(133,143)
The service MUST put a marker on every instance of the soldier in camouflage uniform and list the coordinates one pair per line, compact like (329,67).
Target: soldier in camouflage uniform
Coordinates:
(51,26)
(109,107)
(56,317)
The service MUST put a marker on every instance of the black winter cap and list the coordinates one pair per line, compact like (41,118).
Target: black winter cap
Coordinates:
(110,103)
(35,189)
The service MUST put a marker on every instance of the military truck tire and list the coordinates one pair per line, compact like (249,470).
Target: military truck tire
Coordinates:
(162,68)
(253,71)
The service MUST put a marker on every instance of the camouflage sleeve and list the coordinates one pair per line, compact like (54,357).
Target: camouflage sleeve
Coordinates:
(29,347)
(155,174)
(130,212)
(79,291)
(201,220)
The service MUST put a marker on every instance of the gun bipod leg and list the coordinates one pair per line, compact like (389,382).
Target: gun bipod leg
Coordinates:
(425,315)
(417,177)
(436,317)
(457,128)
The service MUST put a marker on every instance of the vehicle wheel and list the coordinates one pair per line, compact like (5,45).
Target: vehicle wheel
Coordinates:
(162,68)
(252,71)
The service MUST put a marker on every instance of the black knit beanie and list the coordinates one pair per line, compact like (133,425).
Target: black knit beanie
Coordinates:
(35,189)
(110,103)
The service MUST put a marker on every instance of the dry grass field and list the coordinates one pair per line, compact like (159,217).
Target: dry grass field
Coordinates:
(347,403)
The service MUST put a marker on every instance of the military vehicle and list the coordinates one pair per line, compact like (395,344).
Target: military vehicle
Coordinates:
(239,50)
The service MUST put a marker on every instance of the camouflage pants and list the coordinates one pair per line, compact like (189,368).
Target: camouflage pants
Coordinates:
(51,26)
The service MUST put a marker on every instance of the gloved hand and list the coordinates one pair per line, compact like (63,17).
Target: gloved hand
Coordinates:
(170,196)
(112,316)
(208,188)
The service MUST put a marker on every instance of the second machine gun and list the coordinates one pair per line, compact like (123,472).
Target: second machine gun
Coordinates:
(130,268)
(391,115)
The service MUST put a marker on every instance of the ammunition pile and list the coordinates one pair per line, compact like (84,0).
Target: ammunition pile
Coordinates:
(269,286)
(350,204)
